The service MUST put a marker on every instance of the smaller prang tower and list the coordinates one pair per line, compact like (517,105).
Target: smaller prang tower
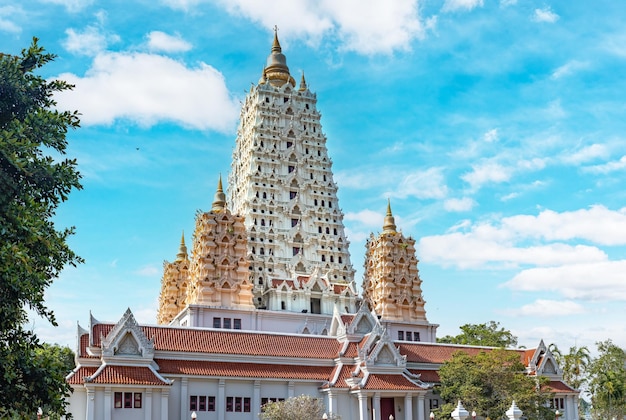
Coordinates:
(392,286)
(217,275)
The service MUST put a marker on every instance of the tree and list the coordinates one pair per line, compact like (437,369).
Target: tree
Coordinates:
(607,384)
(574,365)
(32,251)
(489,334)
(488,382)
(303,407)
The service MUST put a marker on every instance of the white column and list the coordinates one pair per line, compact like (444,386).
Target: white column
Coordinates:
(256,397)
(107,403)
(377,407)
(184,398)
(290,389)
(147,404)
(421,406)
(408,407)
(91,396)
(165,393)
(332,403)
(221,400)
(362,407)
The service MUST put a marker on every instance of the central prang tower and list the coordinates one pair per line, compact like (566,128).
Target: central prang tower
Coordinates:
(281,181)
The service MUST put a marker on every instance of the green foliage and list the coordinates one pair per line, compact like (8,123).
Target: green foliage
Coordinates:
(32,251)
(489,334)
(303,407)
(488,383)
(607,384)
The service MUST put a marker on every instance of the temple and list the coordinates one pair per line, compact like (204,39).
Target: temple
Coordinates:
(265,306)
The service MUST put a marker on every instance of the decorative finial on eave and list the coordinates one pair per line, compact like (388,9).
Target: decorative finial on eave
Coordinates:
(219,201)
(302,83)
(276,45)
(390,223)
(182,251)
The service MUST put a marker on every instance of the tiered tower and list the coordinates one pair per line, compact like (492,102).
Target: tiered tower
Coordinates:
(391,284)
(217,274)
(281,180)
(174,285)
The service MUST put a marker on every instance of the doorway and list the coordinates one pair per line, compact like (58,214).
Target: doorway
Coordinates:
(387,408)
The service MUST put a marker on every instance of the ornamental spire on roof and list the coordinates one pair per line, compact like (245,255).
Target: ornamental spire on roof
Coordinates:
(219,201)
(276,70)
(303,85)
(390,223)
(182,251)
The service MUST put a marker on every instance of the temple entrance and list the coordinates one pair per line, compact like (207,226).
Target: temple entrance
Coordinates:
(386,408)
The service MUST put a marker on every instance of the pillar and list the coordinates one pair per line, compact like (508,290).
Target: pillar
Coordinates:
(184,398)
(107,403)
(290,389)
(377,407)
(147,404)
(421,406)
(256,397)
(408,407)
(91,396)
(221,400)
(332,403)
(165,394)
(362,407)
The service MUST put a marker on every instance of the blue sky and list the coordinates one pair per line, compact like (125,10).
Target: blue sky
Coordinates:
(496,128)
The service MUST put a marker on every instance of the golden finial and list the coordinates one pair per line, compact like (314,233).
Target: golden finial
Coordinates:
(302,83)
(390,224)
(276,44)
(219,201)
(182,251)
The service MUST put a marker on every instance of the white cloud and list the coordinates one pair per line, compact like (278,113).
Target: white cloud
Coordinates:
(505,3)
(596,224)
(543,308)
(545,15)
(364,26)
(71,5)
(147,271)
(454,5)
(602,280)
(489,172)
(569,68)
(586,154)
(90,41)
(539,240)
(473,250)
(160,41)
(366,217)
(491,135)
(6,14)
(608,167)
(149,88)
(428,184)
(459,204)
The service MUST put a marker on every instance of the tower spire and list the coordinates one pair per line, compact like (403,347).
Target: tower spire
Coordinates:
(303,86)
(276,70)
(219,201)
(182,251)
(390,223)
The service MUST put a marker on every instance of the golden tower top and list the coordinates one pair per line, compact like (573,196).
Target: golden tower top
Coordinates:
(276,71)
(219,201)
(390,223)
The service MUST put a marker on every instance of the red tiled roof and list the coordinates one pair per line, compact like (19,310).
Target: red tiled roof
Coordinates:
(278,282)
(558,386)
(76,378)
(238,342)
(127,375)
(347,319)
(429,353)
(351,350)
(391,382)
(431,376)
(243,370)
(338,289)
(83,344)
(345,373)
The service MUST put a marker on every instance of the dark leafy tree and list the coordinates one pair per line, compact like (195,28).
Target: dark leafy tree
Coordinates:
(488,383)
(607,384)
(34,179)
(489,334)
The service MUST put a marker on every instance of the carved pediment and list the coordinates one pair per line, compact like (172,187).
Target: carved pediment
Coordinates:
(127,339)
